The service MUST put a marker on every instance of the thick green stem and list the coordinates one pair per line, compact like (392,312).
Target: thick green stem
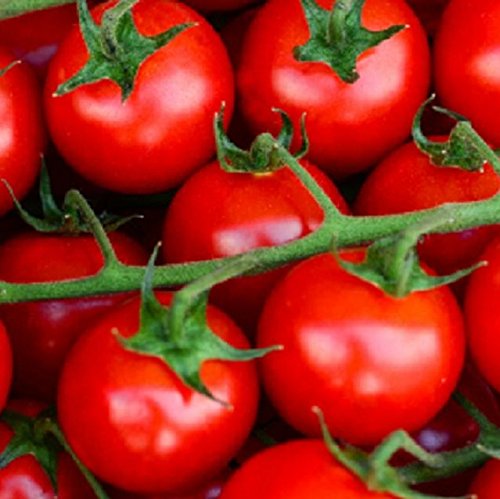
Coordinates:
(13,8)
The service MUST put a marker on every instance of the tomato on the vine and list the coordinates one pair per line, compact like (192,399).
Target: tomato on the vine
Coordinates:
(296,470)
(371,362)
(350,125)
(218,214)
(21,130)
(133,422)
(5,366)
(42,332)
(163,130)
(486,485)
(407,180)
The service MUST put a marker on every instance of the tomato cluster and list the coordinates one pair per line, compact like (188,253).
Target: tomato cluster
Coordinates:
(236,391)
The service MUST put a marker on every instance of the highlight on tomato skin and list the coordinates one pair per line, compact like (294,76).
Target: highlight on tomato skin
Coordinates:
(371,362)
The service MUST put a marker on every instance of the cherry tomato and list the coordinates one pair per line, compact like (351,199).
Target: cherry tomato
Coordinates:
(42,332)
(24,477)
(218,5)
(22,135)
(5,366)
(163,131)
(486,485)
(371,362)
(414,183)
(481,300)
(296,470)
(236,213)
(477,97)
(350,126)
(136,425)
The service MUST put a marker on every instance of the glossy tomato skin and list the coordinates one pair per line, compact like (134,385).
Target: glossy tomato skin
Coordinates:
(481,302)
(371,362)
(5,366)
(296,470)
(24,477)
(217,214)
(414,183)
(136,425)
(478,95)
(163,131)
(22,132)
(486,485)
(42,332)
(350,126)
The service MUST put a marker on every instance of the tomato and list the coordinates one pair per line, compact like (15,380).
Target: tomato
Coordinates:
(478,95)
(481,300)
(371,362)
(218,5)
(163,131)
(136,425)
(42,332)
(429,11)
(414,183)
(24,477)
(350,126)
(22,135)
(236,213)
(296,470)
(487,482)
(5,366)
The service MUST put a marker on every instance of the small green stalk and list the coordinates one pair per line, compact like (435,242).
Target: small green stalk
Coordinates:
(337,37)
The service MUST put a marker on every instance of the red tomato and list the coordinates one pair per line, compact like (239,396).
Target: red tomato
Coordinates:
(372,363)
(218,5)
(136,425)
(350,126)
(5,366)
(22,135)
(296,470)
(24,477)
(42,332)
(478,95)
(236,213)
(487,482)
(429,12)
(145,144)
(481,302)
(406,180)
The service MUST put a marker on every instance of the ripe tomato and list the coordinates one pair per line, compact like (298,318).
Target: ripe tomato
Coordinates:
(371,362)
(478,95)
(5,366)
(486,485)
(24,477)
(21,130)
(218,5)
(350,126)
(163,131)
(136,425)
(481,301)
(296,470)
(236,213)
(429,12)
(42,332)
(414,183)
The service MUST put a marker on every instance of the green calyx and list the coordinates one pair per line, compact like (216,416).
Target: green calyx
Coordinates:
(337,37)
(263,156)
(463,149)
(393,265)
(179,335)
(116,49)
(67,219)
